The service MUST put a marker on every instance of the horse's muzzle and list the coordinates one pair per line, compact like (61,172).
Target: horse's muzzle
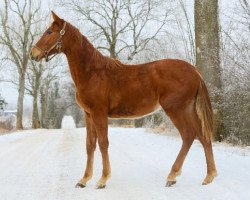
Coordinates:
(34,55)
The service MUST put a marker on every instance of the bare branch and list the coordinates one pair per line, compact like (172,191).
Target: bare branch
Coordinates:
(115,20)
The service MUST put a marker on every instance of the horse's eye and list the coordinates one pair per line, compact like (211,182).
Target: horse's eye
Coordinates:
(48,32)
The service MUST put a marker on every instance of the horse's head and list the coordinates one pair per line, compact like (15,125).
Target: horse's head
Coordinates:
(51,41)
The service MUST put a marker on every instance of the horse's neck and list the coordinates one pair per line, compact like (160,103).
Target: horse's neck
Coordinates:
(80,58)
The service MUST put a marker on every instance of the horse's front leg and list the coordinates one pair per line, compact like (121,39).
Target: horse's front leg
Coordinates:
(90,147)
(100,121)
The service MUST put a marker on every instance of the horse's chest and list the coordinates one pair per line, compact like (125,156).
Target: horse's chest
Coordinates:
(83,102)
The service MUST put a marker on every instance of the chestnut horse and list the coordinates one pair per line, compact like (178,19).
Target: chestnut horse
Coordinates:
(107,88)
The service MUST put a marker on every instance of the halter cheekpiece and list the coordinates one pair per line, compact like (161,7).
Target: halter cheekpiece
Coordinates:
(57,45)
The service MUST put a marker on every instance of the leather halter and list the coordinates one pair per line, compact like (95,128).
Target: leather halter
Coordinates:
(57,45)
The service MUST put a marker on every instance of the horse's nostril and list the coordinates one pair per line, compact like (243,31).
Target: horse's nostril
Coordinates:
(31,56)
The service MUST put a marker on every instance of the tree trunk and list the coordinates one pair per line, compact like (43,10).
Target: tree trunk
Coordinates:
(113,51)
(36,84)
(44,106)
(46,115)
(35,116)
(42,102)
(208,55)
(21,88)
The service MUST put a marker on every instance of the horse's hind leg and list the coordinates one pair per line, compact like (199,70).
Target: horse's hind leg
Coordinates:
(211,169)
(183,120)
(177,166)
(189,126)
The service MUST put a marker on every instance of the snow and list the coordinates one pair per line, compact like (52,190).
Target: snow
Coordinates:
(68,122)
(46,164)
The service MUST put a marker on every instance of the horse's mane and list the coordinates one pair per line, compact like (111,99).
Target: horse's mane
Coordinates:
(105,61)
(100,60)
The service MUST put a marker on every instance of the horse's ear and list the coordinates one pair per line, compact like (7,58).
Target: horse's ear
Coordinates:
(55,17)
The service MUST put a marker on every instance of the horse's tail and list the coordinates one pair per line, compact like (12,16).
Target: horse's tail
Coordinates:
(204,110)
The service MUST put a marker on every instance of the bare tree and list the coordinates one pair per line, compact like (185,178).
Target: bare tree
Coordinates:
(50,76)
(39,78)
(243,11)
(34,75)
(186,31)
(235,54)
(1,68)
(208,55)
(122,25)
(18,21)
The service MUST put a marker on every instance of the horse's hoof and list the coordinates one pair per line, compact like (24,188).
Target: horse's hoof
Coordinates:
(206,183)
(80,185)
(100,186)
(209,179)
(170,183)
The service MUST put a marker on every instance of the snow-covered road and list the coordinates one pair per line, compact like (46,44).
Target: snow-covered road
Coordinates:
(46,164)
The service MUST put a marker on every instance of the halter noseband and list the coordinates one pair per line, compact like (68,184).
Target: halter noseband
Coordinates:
(57,45)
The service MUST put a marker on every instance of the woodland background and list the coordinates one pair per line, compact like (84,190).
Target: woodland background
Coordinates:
(212,35)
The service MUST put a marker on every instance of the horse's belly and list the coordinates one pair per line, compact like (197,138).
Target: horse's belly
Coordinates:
(133,111)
